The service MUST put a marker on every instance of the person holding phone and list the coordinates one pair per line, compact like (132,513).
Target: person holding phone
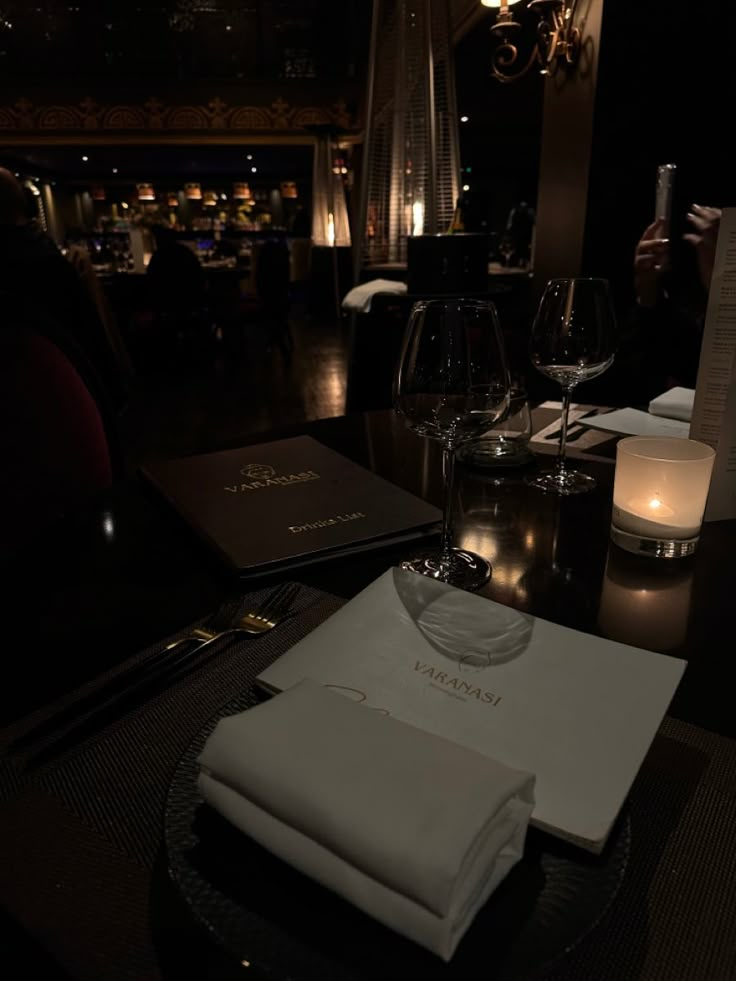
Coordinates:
(652,252)
(671,279)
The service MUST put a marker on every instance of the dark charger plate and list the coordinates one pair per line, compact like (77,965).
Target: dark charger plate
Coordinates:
(265,913)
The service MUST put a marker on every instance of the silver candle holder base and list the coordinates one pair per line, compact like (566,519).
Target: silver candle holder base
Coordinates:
(658,548)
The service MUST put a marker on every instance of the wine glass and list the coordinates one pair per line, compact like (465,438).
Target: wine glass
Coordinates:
(572,341)
(451,384)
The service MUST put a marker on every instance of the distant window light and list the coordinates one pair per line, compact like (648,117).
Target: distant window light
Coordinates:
(466,187)
(249,157)
(85,159)
(254,170)
(114,170)
(464,119)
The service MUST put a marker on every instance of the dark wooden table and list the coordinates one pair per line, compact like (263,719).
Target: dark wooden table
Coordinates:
(95,590)
(129,572)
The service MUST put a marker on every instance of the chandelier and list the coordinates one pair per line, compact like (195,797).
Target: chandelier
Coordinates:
(556,40)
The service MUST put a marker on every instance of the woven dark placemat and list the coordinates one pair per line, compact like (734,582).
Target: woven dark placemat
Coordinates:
(85,828)
(674,918)
(82,838)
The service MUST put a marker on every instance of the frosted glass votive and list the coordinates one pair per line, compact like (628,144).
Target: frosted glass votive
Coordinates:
(659,493)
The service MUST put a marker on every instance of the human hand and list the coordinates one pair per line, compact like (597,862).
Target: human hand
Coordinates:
(650,256)
(705,222)
(80,260)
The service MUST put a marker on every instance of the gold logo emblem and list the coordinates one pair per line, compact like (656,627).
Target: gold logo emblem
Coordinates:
(258,471)
(259,475)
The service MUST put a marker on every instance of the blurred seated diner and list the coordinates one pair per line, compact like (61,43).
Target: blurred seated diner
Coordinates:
(59,447)
(35,274)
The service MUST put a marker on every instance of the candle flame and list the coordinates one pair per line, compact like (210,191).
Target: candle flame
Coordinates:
(655,503)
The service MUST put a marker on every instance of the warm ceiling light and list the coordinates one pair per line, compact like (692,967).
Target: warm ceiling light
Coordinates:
(114,170)
(253,170)
(464,119)
(249,157)
(146,192)
(556,41)
(85,159)
(241,191)
(193,192)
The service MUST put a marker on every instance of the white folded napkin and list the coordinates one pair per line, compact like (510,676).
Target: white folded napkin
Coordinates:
(413,829)
(359,298)
(677,403)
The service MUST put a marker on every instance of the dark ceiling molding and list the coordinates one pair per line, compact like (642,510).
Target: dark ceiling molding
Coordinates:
(154,118)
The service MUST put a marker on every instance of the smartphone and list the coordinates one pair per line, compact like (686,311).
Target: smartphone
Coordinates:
(663,206)
(663,203)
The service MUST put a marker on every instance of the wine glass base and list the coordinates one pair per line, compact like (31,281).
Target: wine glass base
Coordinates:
(463,569)
(563,482)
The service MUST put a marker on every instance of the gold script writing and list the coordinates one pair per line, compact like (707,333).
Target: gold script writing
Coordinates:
(326,522)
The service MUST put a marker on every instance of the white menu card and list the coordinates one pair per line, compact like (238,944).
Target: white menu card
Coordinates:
(714,412)
(576,710)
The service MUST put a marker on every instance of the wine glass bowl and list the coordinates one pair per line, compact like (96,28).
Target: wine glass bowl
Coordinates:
(573,340)
(451,384)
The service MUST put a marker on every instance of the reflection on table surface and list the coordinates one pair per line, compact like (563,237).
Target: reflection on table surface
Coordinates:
(130,572)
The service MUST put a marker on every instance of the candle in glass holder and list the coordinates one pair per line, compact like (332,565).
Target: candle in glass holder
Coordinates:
(659,494)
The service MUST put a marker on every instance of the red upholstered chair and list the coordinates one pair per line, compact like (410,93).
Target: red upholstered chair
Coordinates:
(54,451)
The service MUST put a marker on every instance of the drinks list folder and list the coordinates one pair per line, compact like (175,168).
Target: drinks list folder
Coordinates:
(576,710)
(287,503)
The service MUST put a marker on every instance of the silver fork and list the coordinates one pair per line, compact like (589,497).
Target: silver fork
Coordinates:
(270,612)
(160,667)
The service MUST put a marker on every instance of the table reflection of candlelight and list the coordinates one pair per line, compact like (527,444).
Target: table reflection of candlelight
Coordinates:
(659,493)
(644,607)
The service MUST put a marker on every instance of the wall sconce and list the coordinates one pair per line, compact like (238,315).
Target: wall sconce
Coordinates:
(210,199)
(146,192)
(193,192)
(172,199)
(557,39)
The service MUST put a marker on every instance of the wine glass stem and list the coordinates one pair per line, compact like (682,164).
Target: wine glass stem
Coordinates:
(566,398)
(448,479)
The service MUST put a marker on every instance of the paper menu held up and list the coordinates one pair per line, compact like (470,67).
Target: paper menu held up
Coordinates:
(714,411)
